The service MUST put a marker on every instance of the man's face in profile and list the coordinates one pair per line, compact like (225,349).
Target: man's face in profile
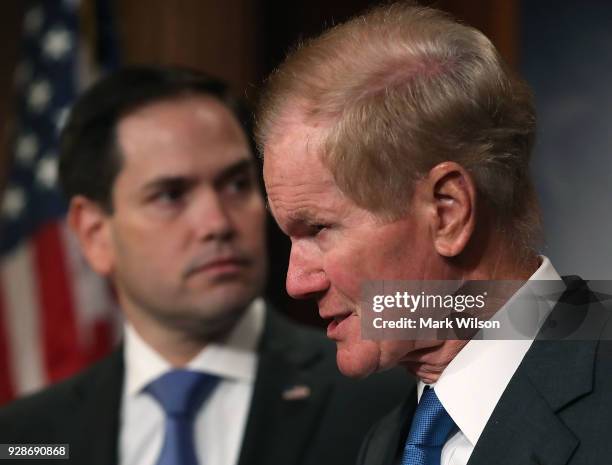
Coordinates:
(185,242)
(337,245)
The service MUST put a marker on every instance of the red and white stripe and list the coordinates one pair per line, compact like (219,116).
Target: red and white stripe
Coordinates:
(56,314)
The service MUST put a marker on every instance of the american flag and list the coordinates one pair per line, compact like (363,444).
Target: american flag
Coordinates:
(56,315)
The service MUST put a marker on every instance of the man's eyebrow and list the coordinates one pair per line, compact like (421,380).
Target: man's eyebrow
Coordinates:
(168,181)
(303,216)
(240,167)
(185,180)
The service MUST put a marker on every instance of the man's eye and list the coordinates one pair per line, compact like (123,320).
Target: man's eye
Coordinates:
(239,184)
(169,196)
(319,227)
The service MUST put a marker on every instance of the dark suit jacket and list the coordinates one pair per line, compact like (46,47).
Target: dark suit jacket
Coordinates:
(557,408)
(326,428)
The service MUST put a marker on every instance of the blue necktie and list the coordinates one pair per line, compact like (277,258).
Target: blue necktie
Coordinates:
(180,393)
(429,430)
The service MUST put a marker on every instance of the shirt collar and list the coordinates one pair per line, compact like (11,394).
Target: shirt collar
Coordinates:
(235,358)
(472,384)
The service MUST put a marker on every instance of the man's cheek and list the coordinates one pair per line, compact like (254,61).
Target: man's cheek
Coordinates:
(345,278)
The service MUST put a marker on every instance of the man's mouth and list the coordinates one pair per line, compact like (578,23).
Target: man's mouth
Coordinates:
(336,326)
(220,266)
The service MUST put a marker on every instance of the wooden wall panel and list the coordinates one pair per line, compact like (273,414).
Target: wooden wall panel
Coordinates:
(287,22)
(10,28)
(239,40)
(219,37)
(498,19)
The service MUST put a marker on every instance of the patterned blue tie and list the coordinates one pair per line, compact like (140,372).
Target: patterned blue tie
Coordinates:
(180,393)
(430,428)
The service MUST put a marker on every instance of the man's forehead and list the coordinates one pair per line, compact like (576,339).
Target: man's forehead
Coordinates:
(301,196)
(170,117)
(293,127)
(201,142)
(296,174)
(185,123)
(293,156)
(299,186)
(291,216)
(205,107)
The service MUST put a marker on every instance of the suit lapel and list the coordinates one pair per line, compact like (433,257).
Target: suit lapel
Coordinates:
(98,417)
(525,426)
(523,429)
(387,439)
(288,397)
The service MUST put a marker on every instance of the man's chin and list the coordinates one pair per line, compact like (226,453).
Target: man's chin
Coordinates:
(356,365)
(207,323)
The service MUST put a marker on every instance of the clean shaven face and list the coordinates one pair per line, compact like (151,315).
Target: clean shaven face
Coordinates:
(337,245)
(186,237)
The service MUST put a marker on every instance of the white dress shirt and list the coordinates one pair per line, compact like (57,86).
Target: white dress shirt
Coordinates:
(471,385)
(220,423)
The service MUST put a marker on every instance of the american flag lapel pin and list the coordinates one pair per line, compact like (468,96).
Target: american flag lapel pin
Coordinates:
(297,392)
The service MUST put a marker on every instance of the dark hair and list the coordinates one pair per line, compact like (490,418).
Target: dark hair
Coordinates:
(89,156)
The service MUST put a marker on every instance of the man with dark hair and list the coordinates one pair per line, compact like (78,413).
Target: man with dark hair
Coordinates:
(396,147)
(165,201)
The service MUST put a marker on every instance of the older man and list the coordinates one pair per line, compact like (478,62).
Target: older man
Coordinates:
(166,202)
(396,147)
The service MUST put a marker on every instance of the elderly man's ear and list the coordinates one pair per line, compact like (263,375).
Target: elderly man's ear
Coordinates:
(90,223)
(450,193)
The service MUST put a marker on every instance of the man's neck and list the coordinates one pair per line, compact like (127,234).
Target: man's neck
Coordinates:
(175,346)
(494,257)
(429,365)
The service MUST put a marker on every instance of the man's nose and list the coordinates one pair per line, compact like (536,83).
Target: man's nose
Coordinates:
(305,275)
(211,218)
